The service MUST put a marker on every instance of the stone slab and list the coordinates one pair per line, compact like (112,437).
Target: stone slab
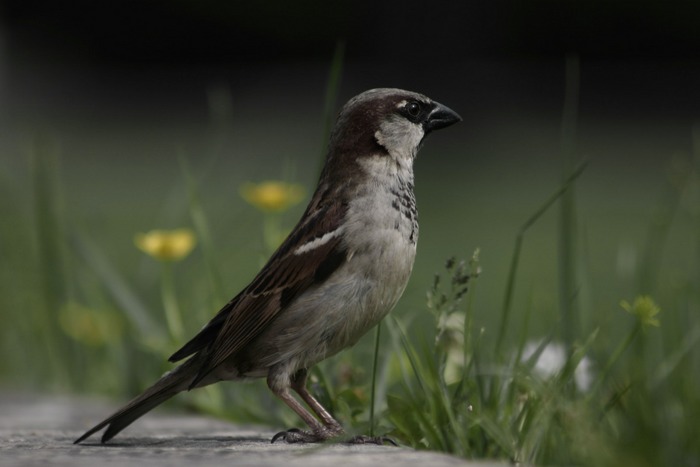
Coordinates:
(39,431)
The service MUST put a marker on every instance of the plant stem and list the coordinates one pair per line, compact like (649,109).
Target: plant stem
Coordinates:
(567,213)
(373,393)
(329,101)
(201,226)
(614,357)
(172,311)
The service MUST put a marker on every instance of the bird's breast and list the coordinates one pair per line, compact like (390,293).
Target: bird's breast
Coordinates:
(381,236)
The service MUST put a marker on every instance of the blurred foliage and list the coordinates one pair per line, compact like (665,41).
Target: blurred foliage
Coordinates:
(89,313)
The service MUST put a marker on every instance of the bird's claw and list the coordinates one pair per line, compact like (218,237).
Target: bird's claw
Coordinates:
(364,439)
(295,435)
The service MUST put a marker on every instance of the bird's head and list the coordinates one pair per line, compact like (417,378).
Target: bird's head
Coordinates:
(387,122)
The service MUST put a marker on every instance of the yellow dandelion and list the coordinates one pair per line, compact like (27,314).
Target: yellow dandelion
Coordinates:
(90,327)
(166,245)
(272,195)
(644,308)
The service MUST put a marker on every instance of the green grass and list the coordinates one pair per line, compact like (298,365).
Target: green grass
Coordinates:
(458,367)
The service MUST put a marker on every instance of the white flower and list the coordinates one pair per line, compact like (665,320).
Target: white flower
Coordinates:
(552,359)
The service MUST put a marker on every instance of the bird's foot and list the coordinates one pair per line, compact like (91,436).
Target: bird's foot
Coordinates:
(364,439)
(295,435)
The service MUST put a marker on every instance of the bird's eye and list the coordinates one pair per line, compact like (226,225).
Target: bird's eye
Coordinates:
(413,108)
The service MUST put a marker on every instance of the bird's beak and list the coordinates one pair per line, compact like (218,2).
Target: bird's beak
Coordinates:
(441,117)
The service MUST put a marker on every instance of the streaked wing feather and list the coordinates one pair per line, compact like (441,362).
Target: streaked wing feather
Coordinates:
(208,333)
(284,277)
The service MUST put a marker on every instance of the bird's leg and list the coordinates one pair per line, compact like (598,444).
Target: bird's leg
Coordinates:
(324,430)
(319,432)
(299,386)
(298,382)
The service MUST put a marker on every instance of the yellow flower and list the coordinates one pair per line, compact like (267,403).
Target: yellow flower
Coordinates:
(90,327)
(644,308)
(271,195)
(166,245)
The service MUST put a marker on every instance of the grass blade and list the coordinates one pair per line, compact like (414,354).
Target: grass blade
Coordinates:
(515,259)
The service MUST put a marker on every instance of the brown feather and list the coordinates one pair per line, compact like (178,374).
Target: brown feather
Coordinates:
(284,277)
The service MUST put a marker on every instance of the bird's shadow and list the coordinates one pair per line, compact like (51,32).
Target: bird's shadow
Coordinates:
(178,442)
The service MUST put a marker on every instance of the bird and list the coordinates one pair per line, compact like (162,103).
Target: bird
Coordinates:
(339,272)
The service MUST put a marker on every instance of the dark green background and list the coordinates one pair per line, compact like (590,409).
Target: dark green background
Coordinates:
(120,91)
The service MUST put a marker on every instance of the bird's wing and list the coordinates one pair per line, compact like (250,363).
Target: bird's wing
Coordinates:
(309,255)
(208,333)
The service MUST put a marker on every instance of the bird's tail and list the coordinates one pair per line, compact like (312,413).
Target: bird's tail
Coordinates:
(166,387)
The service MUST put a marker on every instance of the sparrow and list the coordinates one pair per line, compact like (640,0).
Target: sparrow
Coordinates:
(338,273)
